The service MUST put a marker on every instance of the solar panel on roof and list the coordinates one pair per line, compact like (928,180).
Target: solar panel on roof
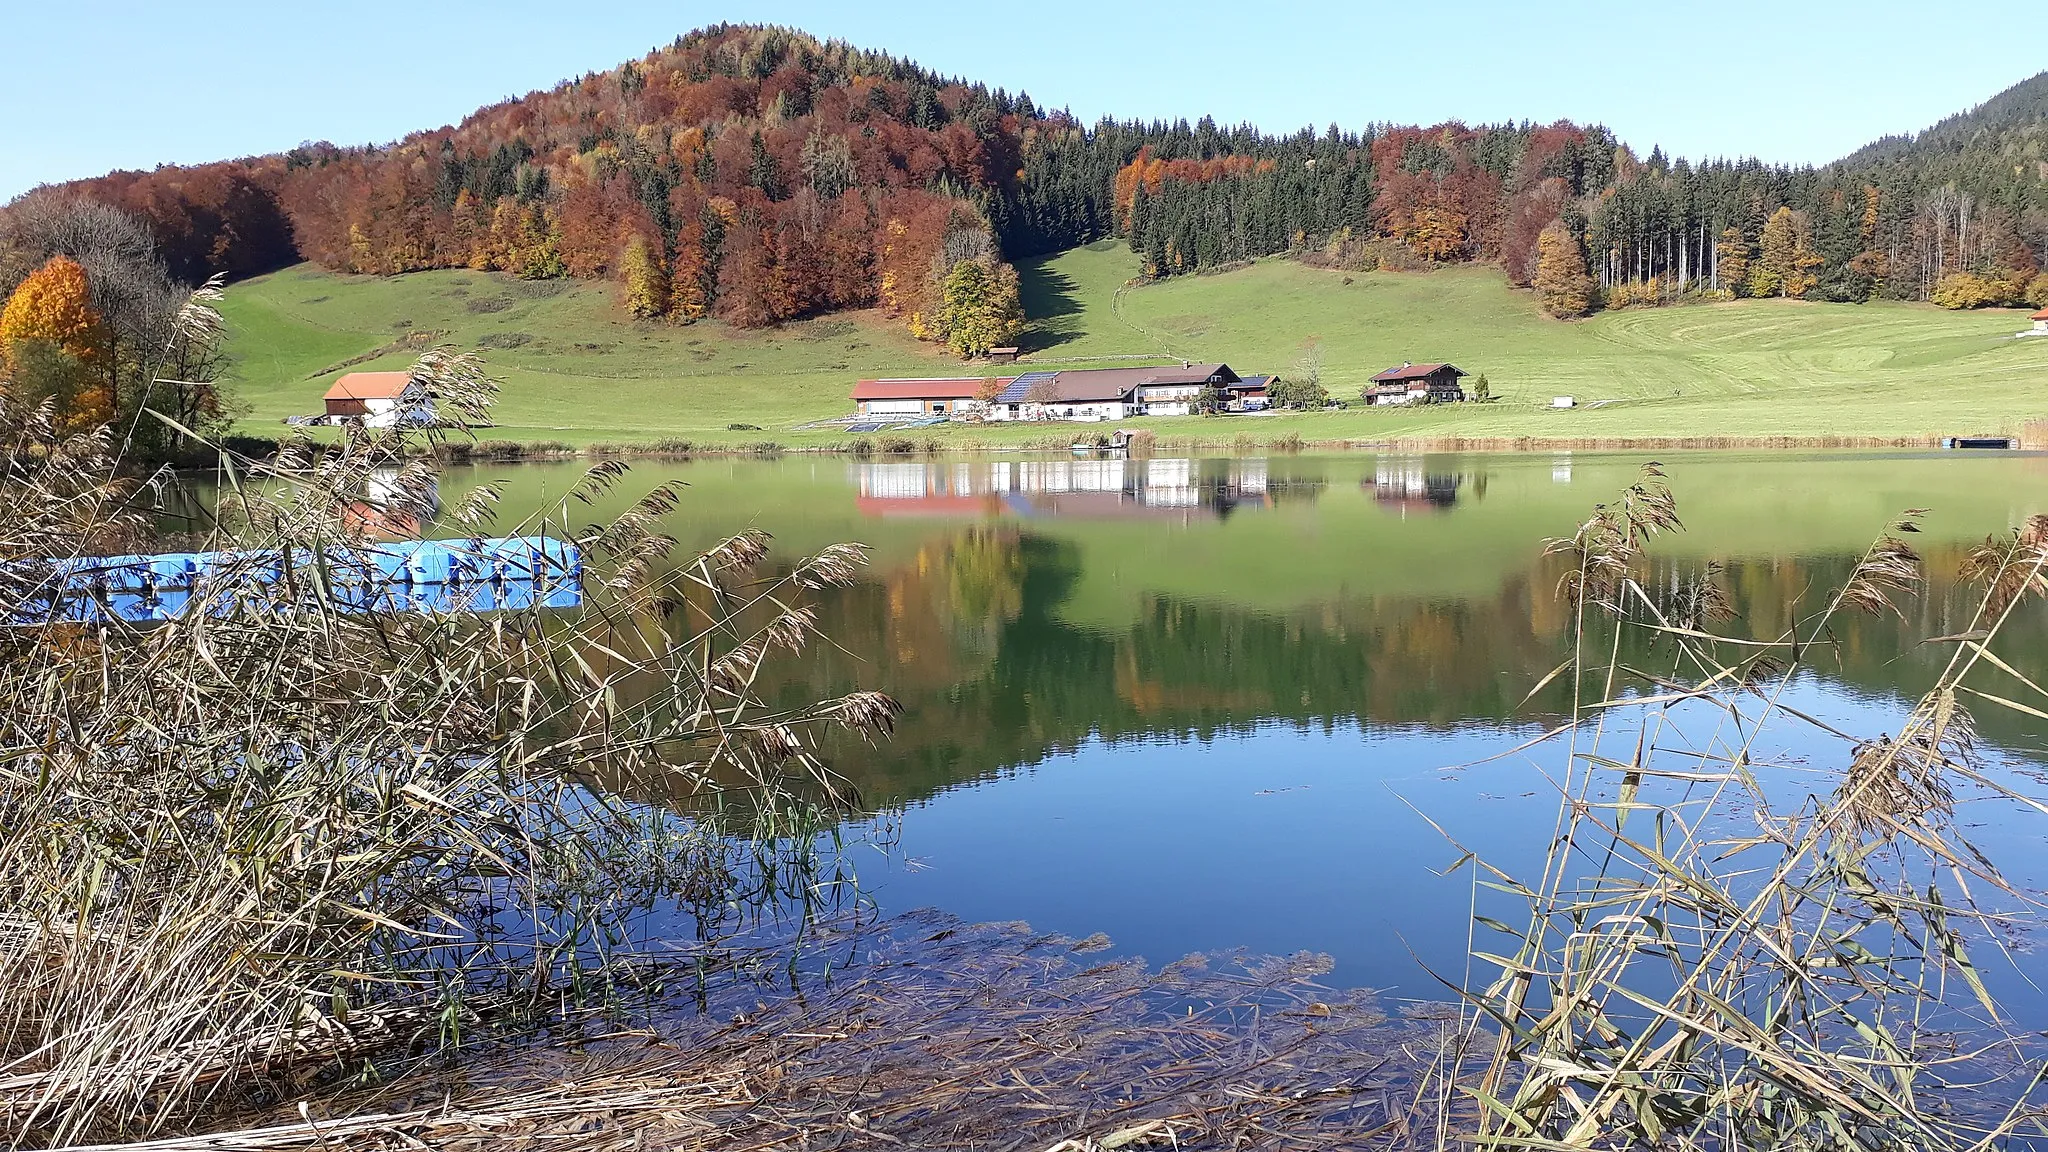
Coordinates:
(1022,385)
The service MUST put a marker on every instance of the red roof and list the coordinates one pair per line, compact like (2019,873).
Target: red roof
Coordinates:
(370,386)
(2041,315)
(958,387)
(1415,372)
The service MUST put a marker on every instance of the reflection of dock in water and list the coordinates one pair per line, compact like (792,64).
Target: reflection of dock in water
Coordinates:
(1084,488)
(389,510)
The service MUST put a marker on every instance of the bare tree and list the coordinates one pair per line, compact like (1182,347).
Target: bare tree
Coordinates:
(1309,369)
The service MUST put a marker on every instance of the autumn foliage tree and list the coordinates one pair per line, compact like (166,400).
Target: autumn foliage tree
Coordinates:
(1731,255)
(645,273)
(1785,258)
(979,307)
(1562,282)
(54,346)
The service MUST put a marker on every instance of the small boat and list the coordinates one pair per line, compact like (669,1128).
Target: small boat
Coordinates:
(2006,442)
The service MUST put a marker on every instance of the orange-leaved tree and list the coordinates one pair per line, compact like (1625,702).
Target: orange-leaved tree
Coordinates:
(53,345)
(1562,282)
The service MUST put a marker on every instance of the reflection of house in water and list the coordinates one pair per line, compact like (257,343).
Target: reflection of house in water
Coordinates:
(1401,484)
(1088,488)
(388,511)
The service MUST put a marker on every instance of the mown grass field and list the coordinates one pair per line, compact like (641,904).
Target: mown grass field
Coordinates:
(576,370)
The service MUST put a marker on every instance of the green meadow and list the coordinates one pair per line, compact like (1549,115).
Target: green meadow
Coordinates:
(576,370)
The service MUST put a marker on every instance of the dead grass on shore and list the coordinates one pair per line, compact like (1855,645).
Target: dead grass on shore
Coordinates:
(927,1034)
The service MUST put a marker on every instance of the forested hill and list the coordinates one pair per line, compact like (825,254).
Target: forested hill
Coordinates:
(759,174)
(2011,127)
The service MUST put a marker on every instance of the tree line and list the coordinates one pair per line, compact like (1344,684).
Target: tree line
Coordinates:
(758,174)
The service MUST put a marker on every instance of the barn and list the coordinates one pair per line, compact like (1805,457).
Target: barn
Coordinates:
(379,400)
(914,398)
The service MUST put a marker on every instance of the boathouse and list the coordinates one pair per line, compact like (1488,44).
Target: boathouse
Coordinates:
(2040,327)
(379,400)
(1419,384)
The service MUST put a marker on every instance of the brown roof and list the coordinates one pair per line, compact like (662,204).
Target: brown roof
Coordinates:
(1192,374)
(946,388)
(1415,372)
(1082,385)
(369,386)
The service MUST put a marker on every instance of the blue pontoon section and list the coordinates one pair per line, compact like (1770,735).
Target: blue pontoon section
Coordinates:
(474,575)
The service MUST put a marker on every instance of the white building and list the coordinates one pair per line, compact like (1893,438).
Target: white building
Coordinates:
(379,400)
(1084,394)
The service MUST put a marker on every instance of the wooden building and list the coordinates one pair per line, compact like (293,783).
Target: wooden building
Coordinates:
(1419,384)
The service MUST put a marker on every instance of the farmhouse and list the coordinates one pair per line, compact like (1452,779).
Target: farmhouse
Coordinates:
(1109,393)
(911,398)
(379,400)
(1418,384)
(1073,394)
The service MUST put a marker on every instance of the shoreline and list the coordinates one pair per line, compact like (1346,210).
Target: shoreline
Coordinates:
(484,451)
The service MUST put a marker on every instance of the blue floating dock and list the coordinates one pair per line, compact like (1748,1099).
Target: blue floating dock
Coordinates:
(431,576)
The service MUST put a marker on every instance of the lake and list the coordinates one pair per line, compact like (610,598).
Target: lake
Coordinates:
(1207,703)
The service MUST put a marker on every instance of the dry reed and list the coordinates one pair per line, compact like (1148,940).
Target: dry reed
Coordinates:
(306,821)
(1701,964)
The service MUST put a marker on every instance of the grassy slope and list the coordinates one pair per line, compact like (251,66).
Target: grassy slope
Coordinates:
(1747,369)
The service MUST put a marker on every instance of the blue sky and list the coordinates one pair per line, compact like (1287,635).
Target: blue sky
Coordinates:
(127,84)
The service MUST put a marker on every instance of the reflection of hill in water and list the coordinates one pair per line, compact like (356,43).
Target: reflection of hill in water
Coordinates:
(968,637)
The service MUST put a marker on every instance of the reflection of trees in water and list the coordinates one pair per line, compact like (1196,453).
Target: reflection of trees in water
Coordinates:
(966,634)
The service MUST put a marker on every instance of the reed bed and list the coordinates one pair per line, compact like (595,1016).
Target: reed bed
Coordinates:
(928,1034)
(304,828)
(1715,953)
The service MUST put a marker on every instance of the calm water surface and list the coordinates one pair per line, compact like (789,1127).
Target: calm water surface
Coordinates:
(1201,704)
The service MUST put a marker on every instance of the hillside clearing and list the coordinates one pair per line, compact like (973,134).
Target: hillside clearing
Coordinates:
(575,370)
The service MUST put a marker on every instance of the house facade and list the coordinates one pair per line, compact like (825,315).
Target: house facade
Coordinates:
(1418,384)
(911,399)
(378,400)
